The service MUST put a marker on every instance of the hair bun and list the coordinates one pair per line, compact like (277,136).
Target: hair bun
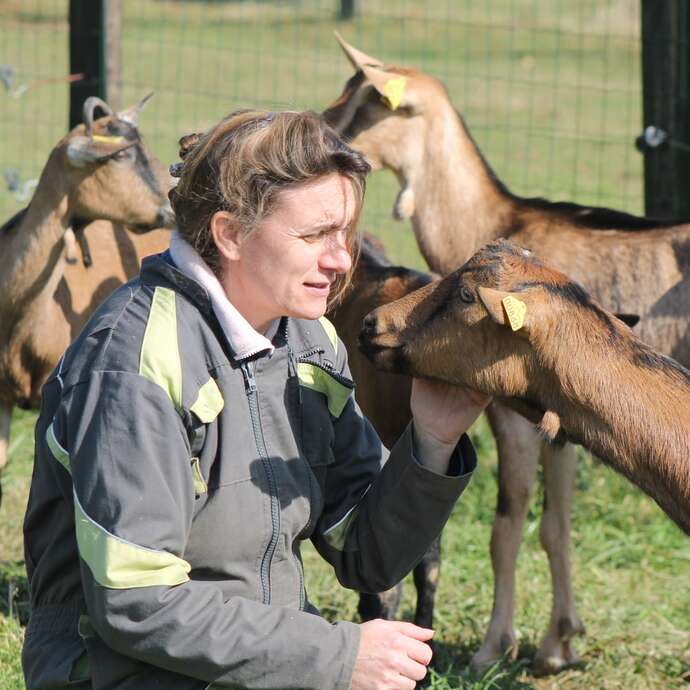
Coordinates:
(187,143)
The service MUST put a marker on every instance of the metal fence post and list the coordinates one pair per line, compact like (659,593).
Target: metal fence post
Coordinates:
(94,51)
(348,9)
(666,88)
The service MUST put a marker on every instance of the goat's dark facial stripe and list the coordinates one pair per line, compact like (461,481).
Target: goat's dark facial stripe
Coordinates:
(122,129)
(144,170)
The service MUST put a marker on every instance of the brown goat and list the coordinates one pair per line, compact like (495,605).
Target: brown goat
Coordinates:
(101,170)
(384,399)
(403,120)
(509,326)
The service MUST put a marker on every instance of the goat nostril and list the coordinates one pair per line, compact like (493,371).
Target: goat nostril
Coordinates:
(369,323)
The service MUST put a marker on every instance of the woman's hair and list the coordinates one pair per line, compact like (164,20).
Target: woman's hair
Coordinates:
(243,163)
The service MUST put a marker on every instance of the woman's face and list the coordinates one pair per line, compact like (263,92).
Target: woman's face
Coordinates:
(287,267)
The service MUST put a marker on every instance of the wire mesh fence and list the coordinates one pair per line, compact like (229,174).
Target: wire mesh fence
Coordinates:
(550,89)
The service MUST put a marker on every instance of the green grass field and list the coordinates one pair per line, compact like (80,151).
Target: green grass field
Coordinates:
(551,92)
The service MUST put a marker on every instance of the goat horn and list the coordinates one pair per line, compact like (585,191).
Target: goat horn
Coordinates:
(90,105)
(356,57)
(131,115)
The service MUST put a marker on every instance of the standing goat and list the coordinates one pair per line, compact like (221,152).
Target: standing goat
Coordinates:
(384,399)
(403,120)
(507,325)
(101,170)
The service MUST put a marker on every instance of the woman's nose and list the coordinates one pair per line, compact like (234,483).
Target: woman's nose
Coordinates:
(335,255)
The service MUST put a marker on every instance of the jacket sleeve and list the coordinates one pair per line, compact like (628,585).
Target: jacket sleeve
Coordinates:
(382,510)
(134,498)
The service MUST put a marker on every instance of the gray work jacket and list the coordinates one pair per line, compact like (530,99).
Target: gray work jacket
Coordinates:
(173,486)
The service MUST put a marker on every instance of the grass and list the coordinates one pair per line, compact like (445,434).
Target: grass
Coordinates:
(631,568)
(551,92)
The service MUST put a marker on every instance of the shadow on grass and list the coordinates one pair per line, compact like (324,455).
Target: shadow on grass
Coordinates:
(14,591)
(451,666)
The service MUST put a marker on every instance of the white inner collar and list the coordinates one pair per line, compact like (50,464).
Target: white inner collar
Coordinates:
(244,339)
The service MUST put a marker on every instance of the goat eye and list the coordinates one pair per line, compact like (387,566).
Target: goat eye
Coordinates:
(466,295)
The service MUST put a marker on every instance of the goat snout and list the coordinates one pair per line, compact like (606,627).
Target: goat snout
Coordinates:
(166,216)
(382,346)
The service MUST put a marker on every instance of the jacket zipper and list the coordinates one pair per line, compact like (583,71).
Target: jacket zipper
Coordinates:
(252,398)
(343,380)
(292,373)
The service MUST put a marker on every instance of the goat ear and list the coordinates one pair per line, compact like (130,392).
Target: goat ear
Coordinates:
(81,150)
(629,320)
(505,309)
(392,87)
(492,301)
(356,57)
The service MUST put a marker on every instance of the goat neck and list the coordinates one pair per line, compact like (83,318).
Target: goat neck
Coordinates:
(459,203)
(622,400)
(32,250)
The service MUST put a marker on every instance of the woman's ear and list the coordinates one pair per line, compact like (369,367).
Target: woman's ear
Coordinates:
(227,234)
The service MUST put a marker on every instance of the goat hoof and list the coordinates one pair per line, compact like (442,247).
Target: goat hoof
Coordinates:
(547,665)
(569,627)
(550,666)
(550,663)
(489,654)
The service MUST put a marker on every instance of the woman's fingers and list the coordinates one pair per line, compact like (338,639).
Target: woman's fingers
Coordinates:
(392,656)
(412,670)
(418,651)
(412,630)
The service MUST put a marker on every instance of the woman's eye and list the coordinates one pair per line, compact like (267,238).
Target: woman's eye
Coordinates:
(314,237)
(466,295)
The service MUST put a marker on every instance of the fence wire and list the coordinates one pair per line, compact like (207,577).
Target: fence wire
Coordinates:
(550,89)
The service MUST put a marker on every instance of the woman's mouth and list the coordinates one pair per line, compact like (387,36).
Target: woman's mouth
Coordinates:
(321,288)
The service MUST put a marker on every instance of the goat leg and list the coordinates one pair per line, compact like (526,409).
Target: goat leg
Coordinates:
(426,576)
(556,651)
(5,419)
(518,452)
(383,605)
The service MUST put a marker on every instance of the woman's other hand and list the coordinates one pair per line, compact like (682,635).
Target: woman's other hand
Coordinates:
(392,655)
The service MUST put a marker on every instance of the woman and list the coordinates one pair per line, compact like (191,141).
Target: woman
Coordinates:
(203,425)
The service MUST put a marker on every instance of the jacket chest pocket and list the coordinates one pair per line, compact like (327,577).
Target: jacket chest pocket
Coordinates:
(316,430)
(323,396)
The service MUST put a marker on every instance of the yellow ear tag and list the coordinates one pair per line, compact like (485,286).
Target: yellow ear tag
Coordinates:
(100,139)
(515,311)
(393,91)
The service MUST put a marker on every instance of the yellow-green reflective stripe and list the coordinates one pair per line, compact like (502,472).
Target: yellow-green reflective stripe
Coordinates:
(330,332)
(119,564)
(199,483)
(209,402)
(317,379)
(59,453)
(160,356)
(337,534)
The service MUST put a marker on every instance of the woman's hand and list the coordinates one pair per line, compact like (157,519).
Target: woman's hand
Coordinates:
(442,413)
(392,656)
